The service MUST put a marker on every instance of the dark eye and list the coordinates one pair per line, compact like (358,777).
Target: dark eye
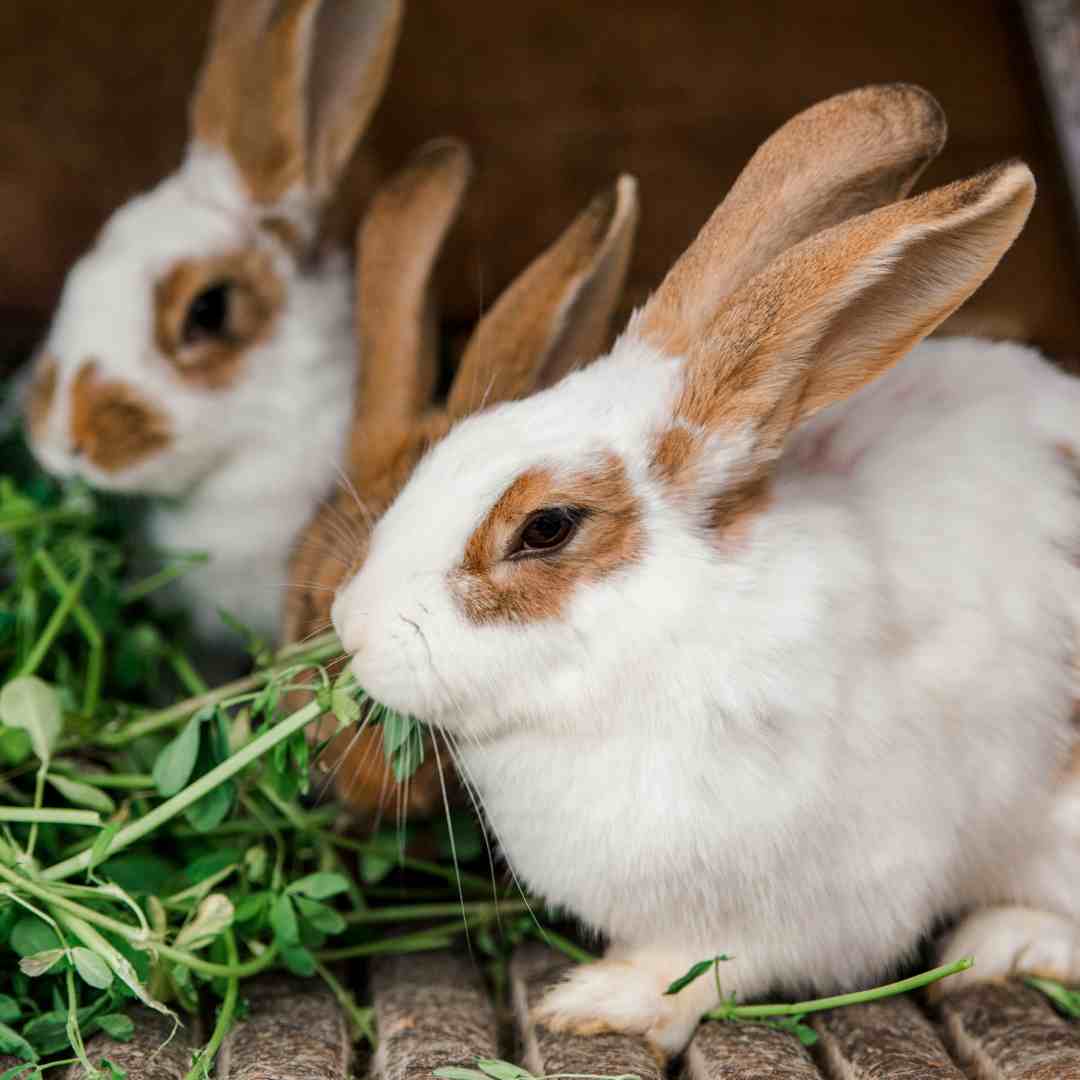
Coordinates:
(547,530)
(208,315)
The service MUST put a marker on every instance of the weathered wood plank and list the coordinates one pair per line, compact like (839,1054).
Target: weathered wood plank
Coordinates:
(295,1030)
(722,1051)
(532,970)
(431,1010)
(1007,1031)
(150,1055)
(885,1040)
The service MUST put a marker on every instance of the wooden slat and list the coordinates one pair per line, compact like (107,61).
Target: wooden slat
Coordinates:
(886,1040)
(722,1051)
(1007,1031)
(534,969)
(294,1031)
(431,1010)
(150,1055)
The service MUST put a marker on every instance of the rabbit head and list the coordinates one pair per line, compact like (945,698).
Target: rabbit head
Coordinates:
(561,561)
(207,302)
(553,317)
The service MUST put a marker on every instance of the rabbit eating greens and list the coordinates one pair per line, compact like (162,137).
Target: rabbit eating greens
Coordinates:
(746,642)
(554,315)
(203,349)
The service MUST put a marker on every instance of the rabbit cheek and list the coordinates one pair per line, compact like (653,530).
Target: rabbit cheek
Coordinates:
(42,393)
(492,589)
(112,426)
(253,297)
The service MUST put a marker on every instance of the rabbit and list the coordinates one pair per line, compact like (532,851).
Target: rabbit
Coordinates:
(202,350)
(554,315)
(752,637)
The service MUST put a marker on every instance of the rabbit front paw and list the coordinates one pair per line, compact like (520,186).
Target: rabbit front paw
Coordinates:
(1013,940)
(627,998)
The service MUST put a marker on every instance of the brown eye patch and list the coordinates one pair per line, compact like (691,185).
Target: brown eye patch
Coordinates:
(111,425)
(209,312)
(42,392)
(494,584)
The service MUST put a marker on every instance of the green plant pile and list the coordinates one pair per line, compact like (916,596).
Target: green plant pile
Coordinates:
(159,839)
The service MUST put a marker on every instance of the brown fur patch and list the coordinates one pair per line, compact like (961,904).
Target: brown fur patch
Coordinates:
(111,424)
(250,99)
(492,588)
(675,455)
(256,296)
(42,392)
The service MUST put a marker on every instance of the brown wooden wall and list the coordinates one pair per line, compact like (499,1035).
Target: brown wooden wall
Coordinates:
(555,97)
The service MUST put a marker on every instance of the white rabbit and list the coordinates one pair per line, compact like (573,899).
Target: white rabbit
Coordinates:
(715,696)
(203,350)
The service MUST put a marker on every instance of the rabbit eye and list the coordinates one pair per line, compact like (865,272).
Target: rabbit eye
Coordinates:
(547,530)
(208,314)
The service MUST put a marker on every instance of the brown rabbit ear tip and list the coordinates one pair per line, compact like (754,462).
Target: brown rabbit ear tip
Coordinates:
(612,205)
(928,120)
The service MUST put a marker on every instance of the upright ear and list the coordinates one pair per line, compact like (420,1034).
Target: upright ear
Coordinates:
(287,122)
(838,309)
(398,244)
(840,158)
(557,313)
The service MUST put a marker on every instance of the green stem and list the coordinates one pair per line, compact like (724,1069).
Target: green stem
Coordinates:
(363,1019)
(310,822)
(205,1057)
(49,816)
(90,630)
(407,912)
(139,828)
(565,945)
(192,681)
(409,863)
(437,937)
(69,596)
(138,589)
(318,649)
(42,517)
(756,1012)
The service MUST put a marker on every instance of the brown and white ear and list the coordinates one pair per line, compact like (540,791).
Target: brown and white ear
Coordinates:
(840,158)
(398,244)
(287,122)
(840,308)
(557,314)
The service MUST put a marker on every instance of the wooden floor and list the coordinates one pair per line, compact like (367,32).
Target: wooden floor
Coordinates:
(433,1011)
(556,99)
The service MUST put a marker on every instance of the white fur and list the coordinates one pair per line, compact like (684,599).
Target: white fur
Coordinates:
(247,464)
(801,749)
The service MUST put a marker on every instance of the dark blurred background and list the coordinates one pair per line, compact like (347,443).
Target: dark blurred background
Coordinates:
(555,99)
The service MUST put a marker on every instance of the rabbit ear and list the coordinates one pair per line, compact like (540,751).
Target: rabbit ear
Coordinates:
(557,313)
(837,310)
(356,42)
(398,244)
(288,123)
(842,157)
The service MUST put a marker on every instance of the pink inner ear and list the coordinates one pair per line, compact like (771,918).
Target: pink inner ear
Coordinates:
(491,589)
